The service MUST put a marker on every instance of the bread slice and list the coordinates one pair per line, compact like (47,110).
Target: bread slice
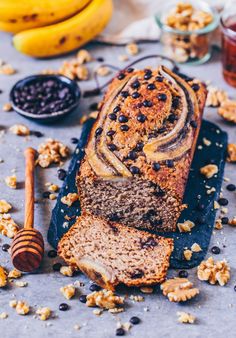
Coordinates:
(140,149)
(111,254)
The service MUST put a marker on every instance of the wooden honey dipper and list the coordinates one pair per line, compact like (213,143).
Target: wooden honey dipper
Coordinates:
(28,247)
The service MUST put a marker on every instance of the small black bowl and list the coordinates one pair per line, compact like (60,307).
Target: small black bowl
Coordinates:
(47,117)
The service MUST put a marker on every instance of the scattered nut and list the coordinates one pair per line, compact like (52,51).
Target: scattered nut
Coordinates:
(21,284)
(44,313)
(214,271)
(209,170)
(137,298)
(53,187)
(3,315)
(67,271)
(227,110)
(104,299)
(7,107)
(68,291)
(7,226)
(132,49)
(83,56)
(186,226)
(232,221)
(186,318)
(215,97)
(231,149)
(187,254)
(20,130)
(14,274)
(11,181)
(82,73)
(103,71)
(7,69)
(4,206)
(146,289)
(218,224)
(22,308)
(178,289)
(52,197)
(69,199)
(123,58)
(196,247)
(3,277)
(51,151)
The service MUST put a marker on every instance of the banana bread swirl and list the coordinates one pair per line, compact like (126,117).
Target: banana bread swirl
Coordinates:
(140,149)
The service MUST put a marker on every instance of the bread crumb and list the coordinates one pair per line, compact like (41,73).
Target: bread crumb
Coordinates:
(52,197)
(206,142)
(232,221)
(103,71)
(132,49)
(69,199)
(218,224)
(231,150)
(97,312)
(123,57)
(7,107)
(21,284)
(13,303)
(53,187)
(137,298)
(216,205)
(146,289)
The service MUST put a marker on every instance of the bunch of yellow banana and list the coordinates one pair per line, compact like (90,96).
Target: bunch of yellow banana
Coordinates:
(52,27)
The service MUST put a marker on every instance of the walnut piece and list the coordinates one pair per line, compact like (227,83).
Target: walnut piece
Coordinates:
(132,49)
(104,299)
(7,107)
(186,226)
(44,313)
(187,254)
(215,97)
(196,247)
(103,71)
(51,151)
(4,206)
(67,271)
(53,187)
(83,56)
(3,277)
(218,224)
(11,181)
(68,291)
(20,130)
(232,221)
(22,308)
(227,110)
(81,73)
(3,315)
(214,271)
(178,289)
(231,150)
(186,318)
(209,170)
(7,69)
(69,199)
(14,274)
(7,226)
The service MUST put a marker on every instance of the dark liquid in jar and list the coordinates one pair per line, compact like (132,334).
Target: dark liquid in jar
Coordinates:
(229,52)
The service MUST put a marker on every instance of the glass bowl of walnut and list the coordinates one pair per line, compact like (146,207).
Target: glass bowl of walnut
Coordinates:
(186,29)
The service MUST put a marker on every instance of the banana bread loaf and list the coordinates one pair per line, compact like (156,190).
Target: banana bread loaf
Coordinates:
(140,149)
(111,253)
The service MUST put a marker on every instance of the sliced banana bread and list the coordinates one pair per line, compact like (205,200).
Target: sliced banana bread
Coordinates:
(140,149)
(111,254)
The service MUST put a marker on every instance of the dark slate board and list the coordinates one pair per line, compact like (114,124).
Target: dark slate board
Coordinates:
(195,192)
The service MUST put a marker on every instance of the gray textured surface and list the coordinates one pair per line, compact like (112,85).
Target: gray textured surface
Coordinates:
(214,307)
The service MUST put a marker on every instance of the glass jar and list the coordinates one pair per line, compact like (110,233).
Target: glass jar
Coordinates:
(187,46)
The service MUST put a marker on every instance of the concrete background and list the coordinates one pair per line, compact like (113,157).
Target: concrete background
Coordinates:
(214,307)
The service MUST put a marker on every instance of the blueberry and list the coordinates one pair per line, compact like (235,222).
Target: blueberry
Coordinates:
(52,253)
(134,170)
(5,247)
(63,307)
(132,155)
(57,266)
(121,76)
(98,131)
(112,147)
(83,298)
(223,201)
(124,127)
(61,173)
(147,103)
(111,133)
(139,146)
(134,320)
(193,124)
(156,166)
(172,118)
(112,116)
(74,140)
(159,79)
(130,70)
(135,84)
(124,93)
(231,187)
(135,95)
(151,86)
(123,119)
(46,194)
(215,250)
(195,87)
(120,331)
(170,163)
(141,118)
(225,220)
(94,287)
(162,97)
(183,274)
(116,109)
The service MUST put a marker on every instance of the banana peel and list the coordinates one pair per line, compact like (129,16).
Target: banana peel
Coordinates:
(67,35)
(17,16)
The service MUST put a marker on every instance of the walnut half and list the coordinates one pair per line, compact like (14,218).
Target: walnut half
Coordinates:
(178,289)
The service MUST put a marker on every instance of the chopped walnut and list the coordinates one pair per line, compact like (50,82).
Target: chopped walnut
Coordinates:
(209,170)
(21,284)
(20,130)
(216,205)
(137,298)
(53,187)
(218,224)
(51,151)
(186,226)
(52,197)
(146,289)
(232,221)
(68,291)
(132,49)
(3,277)
(67,271)
(196,247)
(3,315)
(44,313)
(123,57)
(97,312)
(7,69)
(104,299)
(215,97)
(227,110)
(178,289)
(206,142)
(14,274)
(214,271)
(103,71)
(186,318)
(81,73)
(69,199)
(231,150)
(7,107)
(11,181)
(83,56)
(187,254)
(4,206)
(7,226)
(22,308)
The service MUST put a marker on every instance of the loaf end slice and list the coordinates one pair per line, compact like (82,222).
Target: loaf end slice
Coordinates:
(110,253)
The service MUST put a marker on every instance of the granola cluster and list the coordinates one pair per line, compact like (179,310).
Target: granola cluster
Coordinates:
(214,271)
(51,151)
(178,289)
(7,226)
(104,299)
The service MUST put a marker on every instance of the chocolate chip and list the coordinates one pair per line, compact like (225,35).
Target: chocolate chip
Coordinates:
(100,59)
(112,117)
(120,331)
(63,307)
(139,146)
(156,166)
(116,109)
(193,124)
(161,130)
(231,187)
(135,84)
(148,76)
(94,287)
(111,133)
(61,173)
(162,97)
(52,253)
(151,86)
(124,93)
(124,127)
(147,103)
(172,118)
(215,250)
(225,220)
(135,95)
(150,242)
(121,76)
(195,87)
(5,247)
(98,131)
(137,274)
(223,201)
(83,298)
(130,70)
(170,163)
(175,102)
(123,119)
(112,147)
(159,79)
(57,266)
(134,170)
(183,274)
(74,140)
(135,320)
(141,118)
(132,155)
